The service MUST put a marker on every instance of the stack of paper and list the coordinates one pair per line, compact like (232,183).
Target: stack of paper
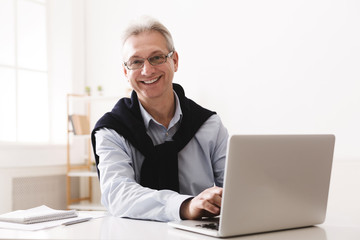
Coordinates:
(36,215)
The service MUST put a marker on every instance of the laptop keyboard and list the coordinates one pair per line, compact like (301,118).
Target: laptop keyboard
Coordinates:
(213,226)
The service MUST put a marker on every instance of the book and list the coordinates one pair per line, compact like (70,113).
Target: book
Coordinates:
(80,124)
(36,215)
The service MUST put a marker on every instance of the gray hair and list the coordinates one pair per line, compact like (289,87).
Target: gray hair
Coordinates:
(147,24)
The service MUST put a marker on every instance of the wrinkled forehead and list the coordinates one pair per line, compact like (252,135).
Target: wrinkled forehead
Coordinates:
(144,44)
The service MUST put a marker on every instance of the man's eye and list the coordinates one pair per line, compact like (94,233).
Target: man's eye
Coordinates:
(136,61)
(157,59)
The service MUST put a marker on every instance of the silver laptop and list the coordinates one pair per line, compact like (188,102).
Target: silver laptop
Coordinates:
(271,182)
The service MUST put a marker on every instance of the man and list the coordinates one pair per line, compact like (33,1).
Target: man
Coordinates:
(160,155)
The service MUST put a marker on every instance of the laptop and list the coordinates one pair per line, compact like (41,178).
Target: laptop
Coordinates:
(271,182)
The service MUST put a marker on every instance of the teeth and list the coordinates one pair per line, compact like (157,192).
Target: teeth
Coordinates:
(151,81)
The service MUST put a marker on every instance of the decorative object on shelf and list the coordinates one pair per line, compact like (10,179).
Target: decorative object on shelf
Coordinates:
(80,124)
(100,90)
(93,167)
(88,90)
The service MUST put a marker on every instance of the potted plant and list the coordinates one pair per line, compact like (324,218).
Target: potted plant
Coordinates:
(88,90)
(100,90)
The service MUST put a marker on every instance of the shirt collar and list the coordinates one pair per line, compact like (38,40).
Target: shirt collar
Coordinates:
(148,118)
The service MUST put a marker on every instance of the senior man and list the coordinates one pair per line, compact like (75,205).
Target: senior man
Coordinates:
(160,156)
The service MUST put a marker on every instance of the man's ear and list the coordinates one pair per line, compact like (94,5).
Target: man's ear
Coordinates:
(125,71)
(175,58)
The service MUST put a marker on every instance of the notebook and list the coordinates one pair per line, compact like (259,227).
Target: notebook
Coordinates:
(271,182)
(36,215)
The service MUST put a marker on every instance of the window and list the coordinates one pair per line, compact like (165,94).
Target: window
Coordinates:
(24,84)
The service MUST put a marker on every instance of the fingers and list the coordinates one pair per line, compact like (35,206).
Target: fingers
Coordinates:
(207,203)
(210,207)
(210,200)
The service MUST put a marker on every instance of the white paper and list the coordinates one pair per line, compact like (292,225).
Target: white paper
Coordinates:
(37,214)
(50,224)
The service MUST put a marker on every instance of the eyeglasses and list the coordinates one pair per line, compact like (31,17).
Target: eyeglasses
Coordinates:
(137,63)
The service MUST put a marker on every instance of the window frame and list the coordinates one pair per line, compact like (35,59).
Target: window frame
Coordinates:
(17,69)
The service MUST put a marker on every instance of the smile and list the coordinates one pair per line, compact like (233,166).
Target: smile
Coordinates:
(151,81)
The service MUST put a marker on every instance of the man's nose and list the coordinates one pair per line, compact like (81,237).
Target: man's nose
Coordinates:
(147,69)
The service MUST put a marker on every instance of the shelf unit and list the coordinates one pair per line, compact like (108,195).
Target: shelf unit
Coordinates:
(84,168)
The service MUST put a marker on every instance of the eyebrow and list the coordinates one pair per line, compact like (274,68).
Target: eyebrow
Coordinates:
(151,54)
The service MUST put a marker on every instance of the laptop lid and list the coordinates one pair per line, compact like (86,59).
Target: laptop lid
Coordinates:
(274,182)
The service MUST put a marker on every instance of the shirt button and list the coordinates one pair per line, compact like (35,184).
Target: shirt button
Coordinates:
(167,133)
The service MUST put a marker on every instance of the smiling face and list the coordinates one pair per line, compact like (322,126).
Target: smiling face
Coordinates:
(151,83)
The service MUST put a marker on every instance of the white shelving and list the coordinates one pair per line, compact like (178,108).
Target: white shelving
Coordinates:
(82,109)
(82,174)
(80,164)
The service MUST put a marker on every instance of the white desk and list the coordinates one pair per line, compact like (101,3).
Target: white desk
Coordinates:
(119,228)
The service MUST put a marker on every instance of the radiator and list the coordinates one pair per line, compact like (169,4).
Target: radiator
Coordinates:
(28,192)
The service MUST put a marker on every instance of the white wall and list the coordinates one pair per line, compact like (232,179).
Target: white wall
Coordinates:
(66,74)
(66,59)
(66,69)
(264,66)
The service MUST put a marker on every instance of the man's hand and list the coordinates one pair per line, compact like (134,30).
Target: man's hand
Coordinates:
(206,204)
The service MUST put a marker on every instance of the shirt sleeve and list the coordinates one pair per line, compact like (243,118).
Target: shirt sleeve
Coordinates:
(120,193)
(218,155)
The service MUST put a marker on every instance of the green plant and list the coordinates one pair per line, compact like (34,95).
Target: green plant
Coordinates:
(88,90)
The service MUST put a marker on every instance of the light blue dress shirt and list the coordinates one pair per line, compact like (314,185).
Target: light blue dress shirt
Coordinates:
(201,165)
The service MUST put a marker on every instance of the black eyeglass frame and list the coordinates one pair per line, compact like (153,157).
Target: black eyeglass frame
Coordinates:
(166,57)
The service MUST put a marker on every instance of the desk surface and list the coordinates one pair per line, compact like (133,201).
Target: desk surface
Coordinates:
(119,228)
